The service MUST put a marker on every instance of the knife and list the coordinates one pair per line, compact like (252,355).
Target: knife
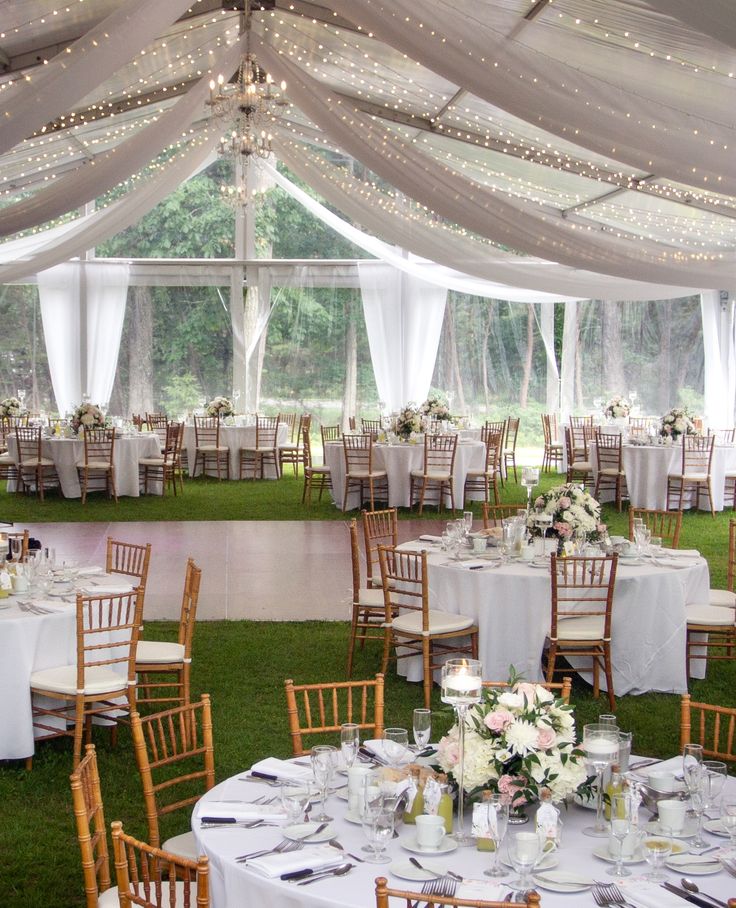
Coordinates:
(303,874)
(702,900)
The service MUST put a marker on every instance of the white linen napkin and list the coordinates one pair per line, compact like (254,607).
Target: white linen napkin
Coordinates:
(283,769)
(471,565)
(108,587)
(645,894)
(376,746)
(243,811)
(682,553)
(312,857)
(90,570)
(673,764)
(482,891)
(427,537)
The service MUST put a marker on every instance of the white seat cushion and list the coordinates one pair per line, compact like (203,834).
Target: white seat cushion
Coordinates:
(587,627)
(320,469)
(364,474)
(109,898)
(723,598)
(436,476)
(211,449)
(184,845)
(439,622)
(63,680)
(689,477)
(7,459)
(151,651)
(714,615)
(582,465)
(611,471)
(373,598)
(34,462)
(95,465)
(151,461)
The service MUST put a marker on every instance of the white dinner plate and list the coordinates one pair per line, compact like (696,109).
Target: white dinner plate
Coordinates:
(561,881)
(406,871)
(604,854)
(410,843)
(342,793)
(547,863)
(304,832)
(544,565)
(353,818)
(694,869)
(715,827)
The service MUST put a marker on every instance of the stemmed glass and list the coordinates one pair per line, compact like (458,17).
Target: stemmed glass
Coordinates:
(600,743)
(656,851)
(498,821)
(468,518)
(621,822)
(728,818)
(422,728)
(529,478)
(642,537)
(349,742)
(16,548)
(524,851)
(295,798)
(714,778)
(692,759)
(395,746)
(693,773)
(377,819)
(324,758)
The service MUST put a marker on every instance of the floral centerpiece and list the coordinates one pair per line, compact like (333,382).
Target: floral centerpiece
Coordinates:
(617,408)
(220,406)
(518,741)
(435,408)
(572,509)
(88,416)
(11,406)
(676,422)
(408,422)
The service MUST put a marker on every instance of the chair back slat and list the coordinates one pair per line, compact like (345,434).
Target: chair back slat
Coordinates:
(358,453)
(206,431)
(379,528)
(666,524)
(439,453)
(697,454)
(267,430)
(582,586)
(89,817)
(330,433)
(130,558)
(714,727)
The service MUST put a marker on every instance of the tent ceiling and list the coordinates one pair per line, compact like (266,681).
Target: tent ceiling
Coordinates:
(620,58)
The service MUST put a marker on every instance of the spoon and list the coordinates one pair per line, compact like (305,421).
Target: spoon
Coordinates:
(311,835)
(419,866)
(338,871)
(692,887)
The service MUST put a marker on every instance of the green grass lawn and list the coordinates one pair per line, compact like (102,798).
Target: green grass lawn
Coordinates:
(243,665)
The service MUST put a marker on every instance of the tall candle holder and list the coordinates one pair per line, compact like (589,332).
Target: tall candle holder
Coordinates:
(462,686)
(600,743)
(529,478)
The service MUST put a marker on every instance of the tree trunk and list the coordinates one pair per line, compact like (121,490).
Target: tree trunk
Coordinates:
(526,377)
(459,408)
(350,384)
(613,360)
(140,352)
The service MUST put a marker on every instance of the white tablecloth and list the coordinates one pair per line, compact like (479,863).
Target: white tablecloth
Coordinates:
(235,438)
(67,452)
(232,885)
(398,461)
(647,466)
(511,606)
(30,643)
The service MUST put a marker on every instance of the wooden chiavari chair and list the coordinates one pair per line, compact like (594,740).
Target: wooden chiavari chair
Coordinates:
(8,463)
(368,608)
(695,473)
(166,469)
(314,475)
(371,427)
(509,449)
(293,452)
(379,528)
(129,558)
(665,524)
(610,475)
(552,447)
(33,468)
(579,468)
(486,479)
(98,463)
(264,451)
(727,598)
(714,727)
(158,423)
(207,447)
(330,433)
(359,470)
(437,473)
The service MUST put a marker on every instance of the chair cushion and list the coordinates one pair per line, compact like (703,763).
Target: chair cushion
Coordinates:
(158,651)
(611,471)
(439,622)
(722,598)
(364,474)
(373,598)
(109,898)
(184,845)
(7,459)
(212,448)
(151,461)
(34,462)
(688,477)
(587,627)
(318,470)
(95,465)
(713,615)
(432,476)
(63,680)
(582,465)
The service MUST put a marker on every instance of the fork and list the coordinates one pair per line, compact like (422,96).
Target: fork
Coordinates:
(284,846)
(606,894)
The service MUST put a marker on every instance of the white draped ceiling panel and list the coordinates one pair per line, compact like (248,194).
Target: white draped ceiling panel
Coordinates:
(710,17)
(78,69)
(403,318)
(720,359)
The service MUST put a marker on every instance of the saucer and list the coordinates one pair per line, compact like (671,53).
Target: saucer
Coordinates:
(715,827)
(605,855)
(304,832)
(561,881)
(406,871)
(353,818)
(547,863)
(689,828)
(702,869)
(535,563)
(447,845)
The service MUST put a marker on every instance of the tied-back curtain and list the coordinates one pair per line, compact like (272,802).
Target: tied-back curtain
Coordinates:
(403,318)
(719,377)
(61,290)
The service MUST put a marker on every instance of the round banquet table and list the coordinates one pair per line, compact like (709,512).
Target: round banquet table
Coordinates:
(235,438)
(232,885)
(31,642)
(647,466)
(511,606)
(67,452)
(398,461)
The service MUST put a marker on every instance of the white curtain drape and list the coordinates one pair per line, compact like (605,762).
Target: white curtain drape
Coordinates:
(547,330)
(569,352)
(69,293)
(720,359)
(403,318)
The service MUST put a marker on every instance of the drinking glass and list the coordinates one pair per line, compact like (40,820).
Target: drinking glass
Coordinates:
(377,820)
(524,851)
(498,821)
(395,746)
(625,739)
(621,822)
(655,546)
(600,743)
(697,803)
(692,760)
(468,520)
(324,758)
(728,818)
(295,799)
(349,742)
(16,547)
(422,728)
(642,537)
(607,719)
(714,779)
(657,848)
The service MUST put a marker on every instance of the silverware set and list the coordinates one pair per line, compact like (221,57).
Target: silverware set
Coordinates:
(606,894)
(238,824)
(284,846)
(33,608)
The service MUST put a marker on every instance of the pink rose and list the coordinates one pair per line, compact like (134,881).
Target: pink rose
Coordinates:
(498,720)
(526,690)
(565,502)
(564,529)
(601,528)
(448,751)
(508,789)
(546,737)
(539,502)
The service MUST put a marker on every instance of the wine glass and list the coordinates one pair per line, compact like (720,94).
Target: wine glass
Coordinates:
(377,820)
(349,742)
(324,758)
(600,743)
(524,851)
(395,746)
(468,520)
(714,779)
(295,798)
(621,822)
(529,478)
(498,820)
(728,818)
(697,789)
(21,395)
(692,760)
(422,728)
(657,848)
(16,548)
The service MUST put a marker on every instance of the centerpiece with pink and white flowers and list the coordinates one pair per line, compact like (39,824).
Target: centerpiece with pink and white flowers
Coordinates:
(220,406)
(519,741)
(87,416)
(617,407)
(572,510)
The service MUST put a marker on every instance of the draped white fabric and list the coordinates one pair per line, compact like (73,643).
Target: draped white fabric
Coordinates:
(54,88)
(403,318)
(540,231)
(68,293)
(569,352)
(710,17)
(720,359)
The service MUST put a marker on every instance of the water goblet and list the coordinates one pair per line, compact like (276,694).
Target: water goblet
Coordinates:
(697,788)
(621,822)
(16,547)
(395,746)
(655,546)
(524,851)
(529,478)
(714,779)
(468,520)
(625,739)
(377,820)
(295,798)
(349,742)
(498,820)
(692,760)
(421,728)
(657,848)
(324,758)
(728,818)
(600,743)
(607,719)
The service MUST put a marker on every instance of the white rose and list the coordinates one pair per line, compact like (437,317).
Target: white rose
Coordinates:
(510,700)
(87,419)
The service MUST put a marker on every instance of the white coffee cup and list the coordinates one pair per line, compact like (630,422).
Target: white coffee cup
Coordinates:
(672,814)
(430,830)
(479,544)
(356,776)
(527,845)
(20,583)
(661,780)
